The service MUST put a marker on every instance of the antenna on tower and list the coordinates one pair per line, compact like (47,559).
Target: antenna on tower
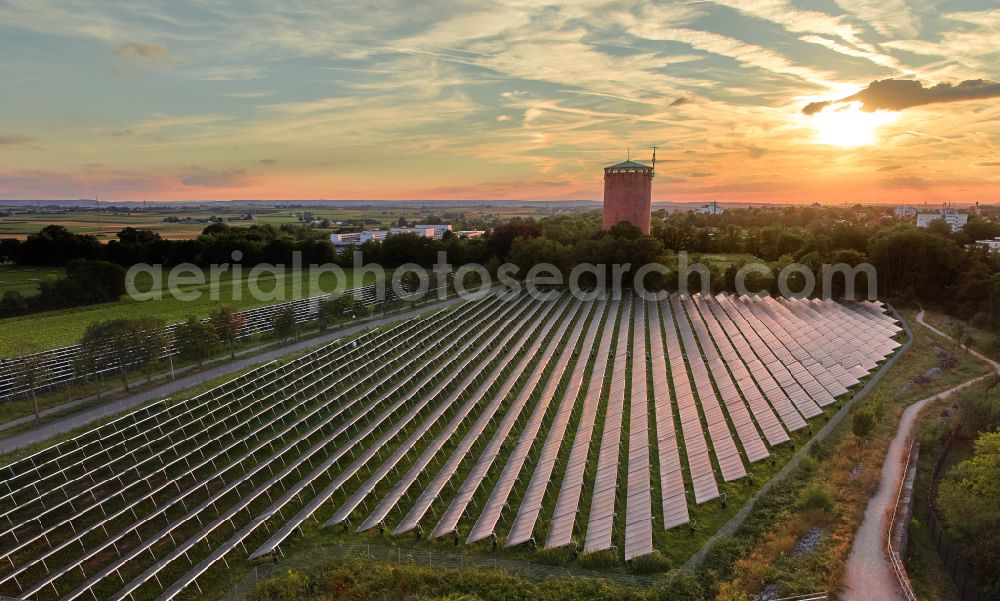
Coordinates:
(628,154)
(654,158)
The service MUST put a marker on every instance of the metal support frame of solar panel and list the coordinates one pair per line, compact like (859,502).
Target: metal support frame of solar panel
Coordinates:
(476,330)
(493,347)
(240,535)
(165,415)
(605,486)
(520,372)
(754,448)
(639,492)
(58,363)
(767,420)
(568,500)
(531,503)
(306,367)
(419,466)
(702,474)
(672,491)
(485,524)
(777,370)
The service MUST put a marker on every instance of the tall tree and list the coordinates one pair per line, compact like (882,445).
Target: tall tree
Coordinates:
(29,373)
(284,323)
(151,343)
(196,340)
(113,342)
(228,321)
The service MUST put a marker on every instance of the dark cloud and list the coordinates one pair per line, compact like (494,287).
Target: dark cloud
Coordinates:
(15,140)
(702,174)
(122,133)
(268,161)
(989,164)
(199,176)
(899,94)
(889,167)
(756,151)
(679,101)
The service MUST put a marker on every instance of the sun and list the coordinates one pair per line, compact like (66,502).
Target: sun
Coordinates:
(847,126)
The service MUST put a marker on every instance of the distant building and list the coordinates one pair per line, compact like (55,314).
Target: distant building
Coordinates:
(903,211)
(357,238)
(628,189)
(711,208)
(470,233)
(424,231)
(993,245)
(953,218)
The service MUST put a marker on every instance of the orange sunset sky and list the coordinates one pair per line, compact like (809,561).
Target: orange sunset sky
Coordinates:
(831,101)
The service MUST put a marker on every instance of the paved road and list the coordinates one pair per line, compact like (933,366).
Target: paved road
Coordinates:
(868,575)
(91,414)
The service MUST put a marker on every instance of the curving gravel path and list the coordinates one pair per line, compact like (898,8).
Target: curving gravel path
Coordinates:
(868,575)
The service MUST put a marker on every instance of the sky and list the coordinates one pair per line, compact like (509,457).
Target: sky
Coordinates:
(786,101)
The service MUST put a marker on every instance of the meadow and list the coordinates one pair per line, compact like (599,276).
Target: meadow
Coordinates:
(25,279)
(106,224)
(53,329)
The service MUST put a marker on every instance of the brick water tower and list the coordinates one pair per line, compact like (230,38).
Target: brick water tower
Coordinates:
(628,189)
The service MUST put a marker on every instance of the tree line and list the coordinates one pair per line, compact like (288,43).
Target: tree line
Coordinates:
(139,345)
(933,265)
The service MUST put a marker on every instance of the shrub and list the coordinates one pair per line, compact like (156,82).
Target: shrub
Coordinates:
(651,563)
(599,560)
(816,497)
(679,585)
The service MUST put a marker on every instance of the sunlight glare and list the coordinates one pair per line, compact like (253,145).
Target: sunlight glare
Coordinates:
(847,126)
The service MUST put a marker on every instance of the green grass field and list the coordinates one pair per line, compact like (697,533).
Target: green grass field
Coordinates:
(724,260)
(25,279)
(53,329)
(106,224)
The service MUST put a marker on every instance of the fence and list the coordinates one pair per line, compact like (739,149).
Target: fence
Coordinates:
(966,586)
(424,557)
(60,366)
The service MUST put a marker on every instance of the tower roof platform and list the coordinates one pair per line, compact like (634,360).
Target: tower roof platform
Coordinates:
(628,166)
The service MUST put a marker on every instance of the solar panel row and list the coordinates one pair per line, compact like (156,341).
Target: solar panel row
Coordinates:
(382,429)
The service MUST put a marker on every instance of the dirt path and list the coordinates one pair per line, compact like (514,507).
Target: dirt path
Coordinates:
(868,575)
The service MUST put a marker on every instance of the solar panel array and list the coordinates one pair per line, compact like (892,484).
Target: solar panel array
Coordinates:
(59,364)
(511,420)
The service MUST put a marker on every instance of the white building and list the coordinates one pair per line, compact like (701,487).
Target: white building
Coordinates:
(711,208)
(993,245)
(902,211)
(357,238)
(954,219)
